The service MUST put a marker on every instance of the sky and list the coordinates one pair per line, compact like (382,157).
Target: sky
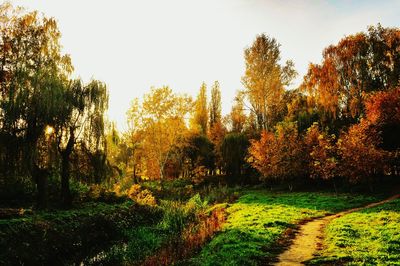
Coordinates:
(135,45)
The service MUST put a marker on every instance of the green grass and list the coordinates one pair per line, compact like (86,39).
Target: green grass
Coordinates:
(367,237)
(258,219)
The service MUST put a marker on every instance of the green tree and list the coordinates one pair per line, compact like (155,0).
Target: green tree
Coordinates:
(234,151)
(33,74)
(80,118)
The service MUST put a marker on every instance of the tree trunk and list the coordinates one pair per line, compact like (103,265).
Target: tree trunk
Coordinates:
(41,178)
(334,186)
(66,198)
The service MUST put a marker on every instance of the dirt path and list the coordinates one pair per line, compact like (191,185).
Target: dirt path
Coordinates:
(310,235)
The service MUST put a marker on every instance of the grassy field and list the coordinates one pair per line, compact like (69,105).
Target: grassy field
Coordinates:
(127,233)
(367,237)
(258,219)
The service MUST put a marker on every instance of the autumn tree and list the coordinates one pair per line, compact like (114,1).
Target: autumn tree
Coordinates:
(321,153)
(265,79)
(279,155)
(217,129)
(361,159)
(199,119)
(357,65)
(215,104)
(382,112)
(237,117)
(160,118)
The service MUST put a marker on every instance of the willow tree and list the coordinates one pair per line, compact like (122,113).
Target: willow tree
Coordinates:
(80,118)
(33,73)
(265,79)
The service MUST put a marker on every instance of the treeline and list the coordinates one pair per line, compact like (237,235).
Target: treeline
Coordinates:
(51,126)
(343,122)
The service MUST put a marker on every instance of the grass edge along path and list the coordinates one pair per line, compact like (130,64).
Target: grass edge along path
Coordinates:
(309,237)
(362,236)
(258,219)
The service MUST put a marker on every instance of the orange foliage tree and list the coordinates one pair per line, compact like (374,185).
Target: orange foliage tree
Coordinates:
(279,156)
(360,157)
(321,153)
(160,118)
(358,64)
(383,113)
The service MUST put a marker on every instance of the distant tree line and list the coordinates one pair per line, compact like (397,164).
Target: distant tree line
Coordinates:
(340,124)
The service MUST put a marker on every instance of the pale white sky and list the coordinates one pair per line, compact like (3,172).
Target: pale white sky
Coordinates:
(133,45)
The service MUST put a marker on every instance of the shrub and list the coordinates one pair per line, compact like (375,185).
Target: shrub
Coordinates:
(143,197)
(178,214)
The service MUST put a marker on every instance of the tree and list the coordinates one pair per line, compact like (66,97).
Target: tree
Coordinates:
(357,65)
(33,75)
(160,118)
(215,105)
(382,112)
(279,156)
(234,151)
(237,117)
(322,153)
(265,79)
(200,152)
(81,119)
(200,113)
(361,160)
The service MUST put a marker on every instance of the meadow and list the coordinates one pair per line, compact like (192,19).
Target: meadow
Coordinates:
(259,219)
(366,237)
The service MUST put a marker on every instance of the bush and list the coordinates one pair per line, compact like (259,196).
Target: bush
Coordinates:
(66,237)
(19,187)
(178,214)
(79,191)
(101,194)
(143,197)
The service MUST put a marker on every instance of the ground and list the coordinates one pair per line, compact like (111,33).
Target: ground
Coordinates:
(231,227)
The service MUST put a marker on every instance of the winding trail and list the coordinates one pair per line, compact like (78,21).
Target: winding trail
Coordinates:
(310,235)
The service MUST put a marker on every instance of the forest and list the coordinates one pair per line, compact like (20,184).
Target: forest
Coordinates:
(186,184)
